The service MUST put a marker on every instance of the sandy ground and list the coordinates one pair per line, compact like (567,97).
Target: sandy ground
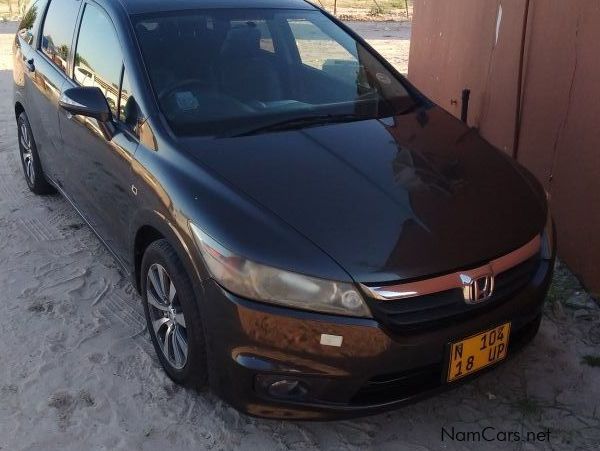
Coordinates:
(366,10)
(77,370)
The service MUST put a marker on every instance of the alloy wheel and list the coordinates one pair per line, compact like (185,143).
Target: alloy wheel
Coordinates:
(26,151)
(166,316)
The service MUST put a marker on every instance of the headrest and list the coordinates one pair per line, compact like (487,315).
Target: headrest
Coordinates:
(242,41)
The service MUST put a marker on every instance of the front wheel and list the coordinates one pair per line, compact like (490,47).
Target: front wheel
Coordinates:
(173,317)
(32,166)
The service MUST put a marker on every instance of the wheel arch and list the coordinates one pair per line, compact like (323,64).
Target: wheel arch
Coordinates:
(19,108)
(147,227)
(152,226)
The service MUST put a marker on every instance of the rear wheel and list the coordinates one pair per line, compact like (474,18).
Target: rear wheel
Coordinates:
(30,160)
(172,316)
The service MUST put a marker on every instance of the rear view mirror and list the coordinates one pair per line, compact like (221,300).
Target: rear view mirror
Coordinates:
(86,101)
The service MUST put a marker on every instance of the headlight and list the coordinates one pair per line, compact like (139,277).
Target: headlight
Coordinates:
(263,283)
(548,238)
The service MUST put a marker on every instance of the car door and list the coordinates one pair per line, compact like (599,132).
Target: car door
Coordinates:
(26,42)
(101,164)
(47,69)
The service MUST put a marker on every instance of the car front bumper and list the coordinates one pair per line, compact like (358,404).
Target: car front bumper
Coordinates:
(251,345)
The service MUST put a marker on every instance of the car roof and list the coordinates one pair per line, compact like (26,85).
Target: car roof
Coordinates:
(150,6)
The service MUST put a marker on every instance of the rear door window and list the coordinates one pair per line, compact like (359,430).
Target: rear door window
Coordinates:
(57,33)
(98,55)
(31,19)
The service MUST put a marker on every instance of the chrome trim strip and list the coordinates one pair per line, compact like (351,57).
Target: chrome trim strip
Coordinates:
(454,280)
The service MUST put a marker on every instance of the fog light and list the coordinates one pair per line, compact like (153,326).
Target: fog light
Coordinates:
(287,388)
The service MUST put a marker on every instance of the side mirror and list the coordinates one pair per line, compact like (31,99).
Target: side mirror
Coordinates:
(86,101)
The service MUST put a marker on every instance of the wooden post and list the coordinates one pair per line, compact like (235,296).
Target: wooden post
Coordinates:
(335,7)
(406,5)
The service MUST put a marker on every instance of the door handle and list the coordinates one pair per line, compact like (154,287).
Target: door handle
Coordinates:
(29,65)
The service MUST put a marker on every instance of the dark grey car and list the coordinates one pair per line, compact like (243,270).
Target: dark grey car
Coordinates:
(311,236)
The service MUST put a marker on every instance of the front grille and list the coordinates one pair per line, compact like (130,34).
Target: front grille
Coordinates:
(438,309)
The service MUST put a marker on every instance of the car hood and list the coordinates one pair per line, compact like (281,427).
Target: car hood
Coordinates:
(390,199)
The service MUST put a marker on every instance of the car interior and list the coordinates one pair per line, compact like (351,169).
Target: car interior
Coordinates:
(209,68)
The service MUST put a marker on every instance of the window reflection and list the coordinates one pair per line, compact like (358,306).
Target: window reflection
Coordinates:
(98,61)
(128,107)
(30,20)
(58,31)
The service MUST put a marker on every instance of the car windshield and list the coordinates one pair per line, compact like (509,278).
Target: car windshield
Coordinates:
(227,72)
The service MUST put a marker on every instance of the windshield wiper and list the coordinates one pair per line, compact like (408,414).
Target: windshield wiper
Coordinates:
(302,122)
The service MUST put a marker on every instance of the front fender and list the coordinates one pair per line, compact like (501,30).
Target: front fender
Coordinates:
(179,237)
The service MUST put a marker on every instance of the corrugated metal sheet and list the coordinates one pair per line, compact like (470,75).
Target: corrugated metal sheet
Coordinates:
(476,45)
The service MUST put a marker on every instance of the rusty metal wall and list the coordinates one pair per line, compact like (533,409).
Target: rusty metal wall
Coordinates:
(477,45)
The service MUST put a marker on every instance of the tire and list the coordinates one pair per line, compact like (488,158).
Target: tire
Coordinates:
(30,160)
(179,314)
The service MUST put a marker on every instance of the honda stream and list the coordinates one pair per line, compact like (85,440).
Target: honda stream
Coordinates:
(311,236)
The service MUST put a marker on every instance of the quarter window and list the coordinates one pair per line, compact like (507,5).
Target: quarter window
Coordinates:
(98,56)
(129,112)
(58,31)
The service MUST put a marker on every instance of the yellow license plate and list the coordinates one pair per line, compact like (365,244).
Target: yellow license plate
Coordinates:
(477,352)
